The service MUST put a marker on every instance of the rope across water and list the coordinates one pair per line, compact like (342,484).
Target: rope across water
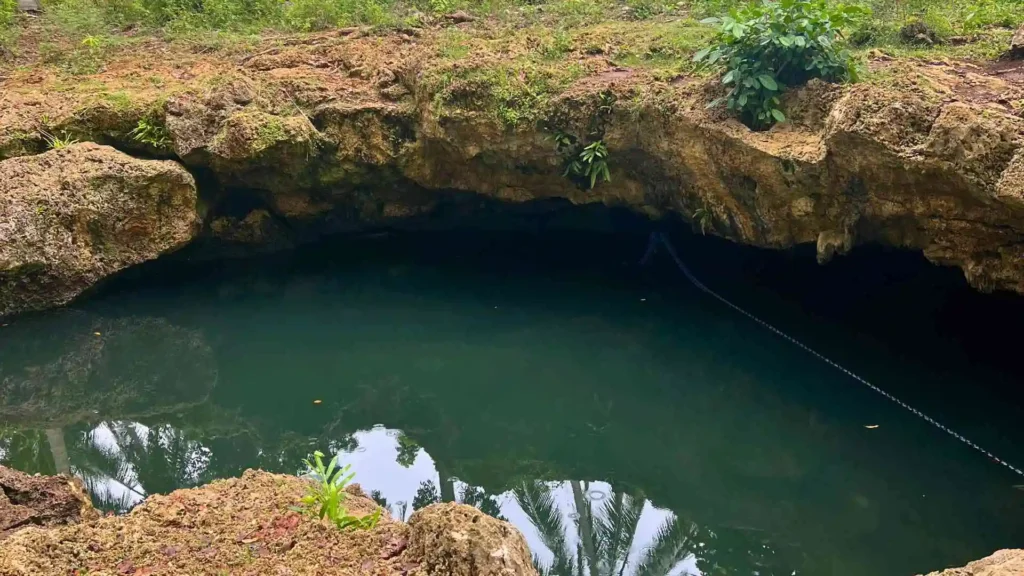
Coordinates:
(652,246)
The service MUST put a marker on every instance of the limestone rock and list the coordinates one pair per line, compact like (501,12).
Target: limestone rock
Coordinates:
(251,518)
(73,216)
(41,501)
(1002,563)
(459,540)
(1017,44)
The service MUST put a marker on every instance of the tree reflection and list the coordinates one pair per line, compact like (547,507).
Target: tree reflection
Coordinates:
(474,496)
(604,536)
(606,533)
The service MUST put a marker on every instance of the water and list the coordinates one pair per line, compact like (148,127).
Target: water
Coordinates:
(540,378)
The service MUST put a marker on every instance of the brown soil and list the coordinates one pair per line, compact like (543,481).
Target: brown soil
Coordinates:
(40,501)
(246,526)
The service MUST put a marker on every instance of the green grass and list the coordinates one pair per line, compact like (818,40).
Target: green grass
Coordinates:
(80,36)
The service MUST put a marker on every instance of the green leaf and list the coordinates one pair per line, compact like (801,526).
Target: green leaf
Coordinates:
(712,20)
(778,115)
(728,77)
(702,54)
(768,82)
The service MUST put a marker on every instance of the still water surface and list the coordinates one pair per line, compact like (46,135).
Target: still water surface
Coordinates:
(696,441)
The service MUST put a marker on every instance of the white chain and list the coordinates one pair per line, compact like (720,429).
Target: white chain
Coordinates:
(722,299)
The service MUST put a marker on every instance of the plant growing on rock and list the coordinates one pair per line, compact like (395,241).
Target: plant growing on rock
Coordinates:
(591,164)
(763,48)
(326,495)
(152,134)
(583,164)
(54,142)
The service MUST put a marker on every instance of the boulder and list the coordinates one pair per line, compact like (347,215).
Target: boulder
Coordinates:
(459,540)
(41,501)
(72,216)
(1017,44)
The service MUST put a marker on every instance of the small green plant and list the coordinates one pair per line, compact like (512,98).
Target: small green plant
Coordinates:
(441,6)
(151,133)
(54,142)
(763,48)
(92,43)
(590,164)
(326,495)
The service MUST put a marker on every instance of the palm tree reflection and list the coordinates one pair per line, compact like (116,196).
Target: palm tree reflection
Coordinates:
(604,536)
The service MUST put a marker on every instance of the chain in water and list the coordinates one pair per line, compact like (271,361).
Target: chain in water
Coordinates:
(652,246)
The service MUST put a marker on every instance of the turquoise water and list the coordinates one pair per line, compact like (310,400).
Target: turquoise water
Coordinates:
(545,381)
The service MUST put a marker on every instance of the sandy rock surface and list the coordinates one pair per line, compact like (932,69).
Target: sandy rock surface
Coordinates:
(1002,563)
(246,526)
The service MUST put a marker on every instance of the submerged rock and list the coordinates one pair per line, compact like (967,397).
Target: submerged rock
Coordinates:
(1002,563)
(73,216)
(41,501)
(246,526)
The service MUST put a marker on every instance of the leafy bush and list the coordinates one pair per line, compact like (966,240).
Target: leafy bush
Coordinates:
(763,48)
(326,496)
(7,13)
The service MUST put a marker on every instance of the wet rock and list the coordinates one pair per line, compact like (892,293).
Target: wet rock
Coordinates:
(41,501)
(1002,563)
(459,540)
(73,216)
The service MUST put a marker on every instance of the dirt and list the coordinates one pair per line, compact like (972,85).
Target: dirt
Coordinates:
(247,526)
(41,501)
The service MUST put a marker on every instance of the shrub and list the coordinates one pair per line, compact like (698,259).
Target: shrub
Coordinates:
(7,13)
(326,496)
(763,48)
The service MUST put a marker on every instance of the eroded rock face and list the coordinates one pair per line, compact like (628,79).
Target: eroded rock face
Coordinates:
(1002,563)
(363,131)
(72,216)
(41,501)
(917,167)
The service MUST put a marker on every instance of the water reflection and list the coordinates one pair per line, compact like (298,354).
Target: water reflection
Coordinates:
(572,527)
(621,438)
